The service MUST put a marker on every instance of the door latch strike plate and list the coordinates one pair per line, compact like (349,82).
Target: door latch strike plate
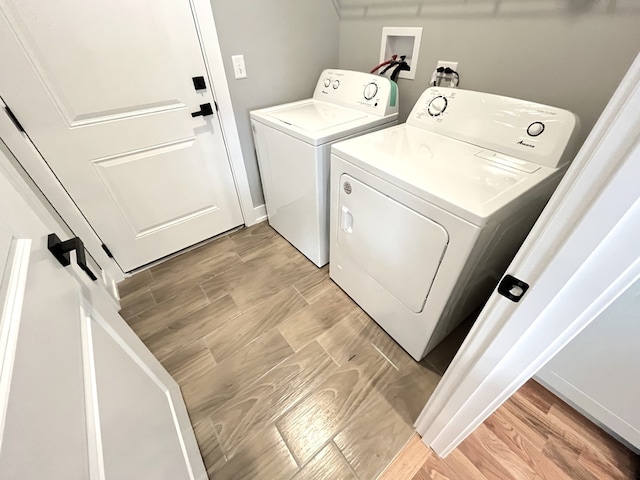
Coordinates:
(512,288)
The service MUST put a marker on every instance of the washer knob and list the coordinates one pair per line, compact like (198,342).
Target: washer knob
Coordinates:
(437,106)
(336,84)
(327,82)
(370,90)
(535,129)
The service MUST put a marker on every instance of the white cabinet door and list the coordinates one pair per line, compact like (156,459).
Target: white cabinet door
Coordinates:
(104,90)
(80,396)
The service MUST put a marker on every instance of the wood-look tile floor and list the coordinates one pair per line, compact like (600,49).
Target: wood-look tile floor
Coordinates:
(284,376)
(532,436)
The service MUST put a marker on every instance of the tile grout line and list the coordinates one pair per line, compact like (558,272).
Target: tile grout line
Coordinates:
(155,301)
(332,441)
(319,294)
(215,362)
(301,295)
(277,327)
(203,292)
(385,357)
(327,352)
(286,444)
(155,304)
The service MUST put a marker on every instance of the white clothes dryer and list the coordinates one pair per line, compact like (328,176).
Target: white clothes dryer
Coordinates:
(426,216)
(293,145)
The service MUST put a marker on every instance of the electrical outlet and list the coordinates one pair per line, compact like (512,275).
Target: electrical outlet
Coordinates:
(238,66)
(452,65)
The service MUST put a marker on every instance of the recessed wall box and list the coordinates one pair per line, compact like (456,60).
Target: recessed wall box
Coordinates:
(402,41)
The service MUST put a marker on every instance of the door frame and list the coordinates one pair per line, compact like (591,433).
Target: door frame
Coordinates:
(583,252)
(28,161)
(214,62)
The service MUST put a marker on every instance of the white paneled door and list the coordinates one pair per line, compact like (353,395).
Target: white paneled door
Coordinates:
(105,90)
(81,398)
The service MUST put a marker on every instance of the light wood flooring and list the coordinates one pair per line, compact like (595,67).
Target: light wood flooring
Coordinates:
(283,375)
(533,436)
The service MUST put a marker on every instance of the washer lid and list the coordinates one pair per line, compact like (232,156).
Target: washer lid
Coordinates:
(319,123)
(316,116)
(459,177)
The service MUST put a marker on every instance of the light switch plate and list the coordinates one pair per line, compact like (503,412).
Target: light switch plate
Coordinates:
(238,66)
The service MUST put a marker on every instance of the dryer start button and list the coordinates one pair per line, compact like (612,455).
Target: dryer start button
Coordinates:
(535,129)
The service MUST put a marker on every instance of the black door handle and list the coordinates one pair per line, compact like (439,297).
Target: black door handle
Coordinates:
(61,250)
(205,109)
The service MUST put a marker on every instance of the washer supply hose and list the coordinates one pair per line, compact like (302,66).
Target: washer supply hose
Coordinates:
(403,66)
(378,67)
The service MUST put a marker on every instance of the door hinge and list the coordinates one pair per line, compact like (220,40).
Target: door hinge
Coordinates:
(107,251)
(216,104)
(512,288)
(14,119)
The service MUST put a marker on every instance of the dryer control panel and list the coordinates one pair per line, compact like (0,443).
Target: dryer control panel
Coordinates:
(527,130)
(359,91)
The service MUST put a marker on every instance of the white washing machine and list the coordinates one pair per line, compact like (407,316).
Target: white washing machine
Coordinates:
(293,145)
(426,216)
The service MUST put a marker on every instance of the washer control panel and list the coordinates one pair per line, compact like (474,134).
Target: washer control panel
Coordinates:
(361,91)
(527,130)
(437,106)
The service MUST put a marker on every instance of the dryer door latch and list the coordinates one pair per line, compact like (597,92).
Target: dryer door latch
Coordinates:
(512,288)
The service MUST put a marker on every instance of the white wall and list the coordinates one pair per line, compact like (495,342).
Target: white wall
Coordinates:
(569,54)
(286,44)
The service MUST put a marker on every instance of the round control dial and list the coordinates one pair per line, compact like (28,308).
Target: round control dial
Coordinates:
(336,84)
(327,82)
(370,91)
(437,106)
(535,129)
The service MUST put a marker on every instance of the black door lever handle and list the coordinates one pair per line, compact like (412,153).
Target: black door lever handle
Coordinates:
(61,250)
(205,109)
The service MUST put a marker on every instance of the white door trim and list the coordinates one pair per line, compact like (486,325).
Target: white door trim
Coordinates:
(583,252)
(44,180)
(208,34)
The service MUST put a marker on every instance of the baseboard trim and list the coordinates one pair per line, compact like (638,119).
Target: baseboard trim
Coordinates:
(259,214)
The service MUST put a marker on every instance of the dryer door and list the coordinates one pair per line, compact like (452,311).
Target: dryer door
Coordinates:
(397,247)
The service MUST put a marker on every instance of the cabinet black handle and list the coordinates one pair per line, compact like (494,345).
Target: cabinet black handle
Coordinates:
(205,109)
(62,251)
